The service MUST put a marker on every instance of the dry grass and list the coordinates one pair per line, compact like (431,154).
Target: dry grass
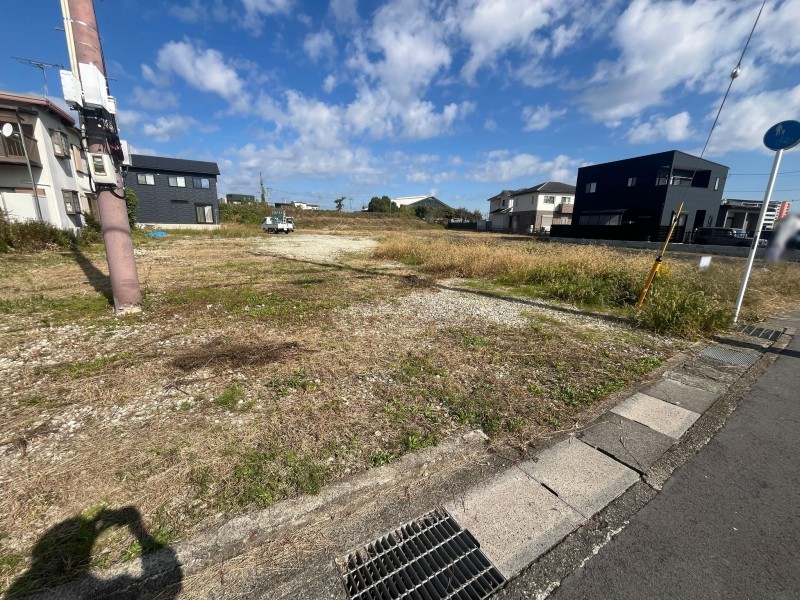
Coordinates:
(250,378)
(684,299)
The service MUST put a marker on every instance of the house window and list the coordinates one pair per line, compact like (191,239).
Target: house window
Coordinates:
(663,176)
(591,188)
(145,179)
(566,199)
(177,182)
(504,201)
(72,203)
(60,143)
(201,182)
(204,213)
(631,181)
(549,199)
(716,184)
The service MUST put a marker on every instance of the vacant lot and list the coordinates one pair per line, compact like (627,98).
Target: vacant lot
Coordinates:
(262,368)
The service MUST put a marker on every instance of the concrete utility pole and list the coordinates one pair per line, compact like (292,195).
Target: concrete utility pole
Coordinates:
(102,138)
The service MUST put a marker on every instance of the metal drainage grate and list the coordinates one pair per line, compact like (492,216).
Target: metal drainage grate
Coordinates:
(431,558)
(733,357)
(759,332)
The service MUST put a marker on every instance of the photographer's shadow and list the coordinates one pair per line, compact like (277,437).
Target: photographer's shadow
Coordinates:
(61,560)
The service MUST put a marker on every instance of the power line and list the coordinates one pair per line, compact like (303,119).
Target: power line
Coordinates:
(762,191)
(759,174)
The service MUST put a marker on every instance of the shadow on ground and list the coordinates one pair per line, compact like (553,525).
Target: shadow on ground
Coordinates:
(61,561)
(94,276)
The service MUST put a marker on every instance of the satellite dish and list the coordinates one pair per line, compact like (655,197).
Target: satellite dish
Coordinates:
(8,129)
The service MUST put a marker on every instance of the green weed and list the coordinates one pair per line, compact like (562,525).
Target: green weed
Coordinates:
(231,397)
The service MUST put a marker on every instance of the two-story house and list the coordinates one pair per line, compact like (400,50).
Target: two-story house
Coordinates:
(637,198)
(43,142)
(531,210)
(174,192)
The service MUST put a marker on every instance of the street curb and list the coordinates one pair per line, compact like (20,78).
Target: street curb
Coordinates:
(545,574)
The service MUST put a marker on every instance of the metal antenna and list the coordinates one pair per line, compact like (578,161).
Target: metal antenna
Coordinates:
(39,65)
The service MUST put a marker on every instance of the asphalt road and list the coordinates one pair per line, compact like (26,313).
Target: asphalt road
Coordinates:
(727,523)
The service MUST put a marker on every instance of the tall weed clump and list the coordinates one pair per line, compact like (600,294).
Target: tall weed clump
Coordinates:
(683,302)
(683,307)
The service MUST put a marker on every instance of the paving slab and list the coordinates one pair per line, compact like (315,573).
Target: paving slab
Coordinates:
(629,442)
(695,380)
(661,416)
(514,518)
(680,394)
(581,476)
(714,370)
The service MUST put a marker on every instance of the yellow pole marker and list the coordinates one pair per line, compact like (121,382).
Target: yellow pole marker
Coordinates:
(659,259)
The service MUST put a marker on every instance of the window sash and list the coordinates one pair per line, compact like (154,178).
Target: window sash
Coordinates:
(60,143)
(71,202)
(177,181)
(145,179)
(204,213)
(201,183)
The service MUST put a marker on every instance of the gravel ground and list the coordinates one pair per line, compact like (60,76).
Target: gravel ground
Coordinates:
(314,247)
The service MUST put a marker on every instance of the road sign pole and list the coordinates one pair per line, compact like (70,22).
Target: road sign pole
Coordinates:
(751,257)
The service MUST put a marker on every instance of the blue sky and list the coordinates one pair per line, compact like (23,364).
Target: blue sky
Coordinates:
(458,98)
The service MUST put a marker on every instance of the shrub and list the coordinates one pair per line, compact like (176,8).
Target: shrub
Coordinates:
(250,213)
(131,202)
(34,236)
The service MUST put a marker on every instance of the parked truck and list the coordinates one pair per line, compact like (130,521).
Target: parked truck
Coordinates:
(277,222)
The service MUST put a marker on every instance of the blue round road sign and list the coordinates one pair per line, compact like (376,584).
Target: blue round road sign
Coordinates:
(782,136)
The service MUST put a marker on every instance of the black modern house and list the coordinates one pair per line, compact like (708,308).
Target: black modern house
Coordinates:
(174,191)
(636,198)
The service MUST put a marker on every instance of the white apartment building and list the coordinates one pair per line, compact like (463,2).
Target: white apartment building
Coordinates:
(56,159)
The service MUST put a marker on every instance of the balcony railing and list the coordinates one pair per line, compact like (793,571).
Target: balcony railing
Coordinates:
(11,150)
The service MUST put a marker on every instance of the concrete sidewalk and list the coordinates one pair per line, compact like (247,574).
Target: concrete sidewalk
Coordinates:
(423,523)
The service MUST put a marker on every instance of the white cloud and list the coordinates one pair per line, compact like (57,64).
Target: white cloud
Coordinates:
(673,129)
(540,117)
(130,118)
(502,166)
(344,11)
(153,99)
(256,10)
(329,83)
(490,125)
(193,12)
(537,30)
(169,127)
(298,160)
(745,120)
(204,69)
(666,46)
(319,44)
(411,44)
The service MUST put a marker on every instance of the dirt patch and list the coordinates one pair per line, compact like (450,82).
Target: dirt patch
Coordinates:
(220,353)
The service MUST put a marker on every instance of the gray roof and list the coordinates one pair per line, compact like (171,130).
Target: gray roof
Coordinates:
(552,187)
(177,165)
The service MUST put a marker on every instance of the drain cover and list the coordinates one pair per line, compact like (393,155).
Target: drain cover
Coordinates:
(760,332)
(431,558)
(733,357)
